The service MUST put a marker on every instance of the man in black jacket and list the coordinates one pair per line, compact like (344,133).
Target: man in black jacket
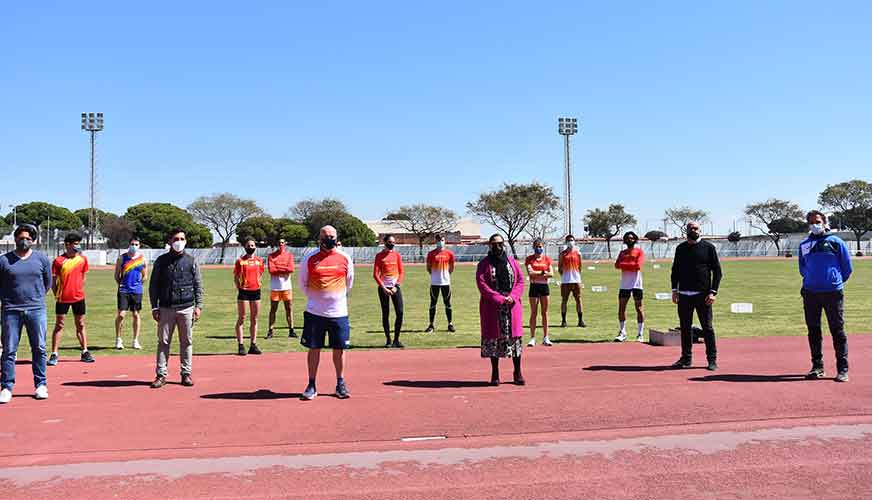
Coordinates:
(696,276)
(176,295)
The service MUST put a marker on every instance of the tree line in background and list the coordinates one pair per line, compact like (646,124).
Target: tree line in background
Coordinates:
(514,209)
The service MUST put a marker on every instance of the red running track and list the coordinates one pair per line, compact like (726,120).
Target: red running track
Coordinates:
(596,420)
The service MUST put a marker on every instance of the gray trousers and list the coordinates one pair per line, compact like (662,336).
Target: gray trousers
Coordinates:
(169,320)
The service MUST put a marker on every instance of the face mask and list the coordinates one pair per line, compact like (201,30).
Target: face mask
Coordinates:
(816,229)
(497,248)
(538,250)
(282,247)
(77,248)
(570,245)
(389,246)
(692,235)
(249,251)
(631,243)
(179,246)
(440,244)
(23,245)
(133,249)
(328,243)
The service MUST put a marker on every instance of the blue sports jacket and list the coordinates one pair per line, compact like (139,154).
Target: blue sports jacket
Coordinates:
(824,263)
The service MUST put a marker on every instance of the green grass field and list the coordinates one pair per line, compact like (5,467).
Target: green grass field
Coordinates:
(771,285)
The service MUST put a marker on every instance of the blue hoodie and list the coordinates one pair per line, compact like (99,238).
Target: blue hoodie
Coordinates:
(824,263)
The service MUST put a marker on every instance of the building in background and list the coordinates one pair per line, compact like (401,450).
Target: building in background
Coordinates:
(465,232)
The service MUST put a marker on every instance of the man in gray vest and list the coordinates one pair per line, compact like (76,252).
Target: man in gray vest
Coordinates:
(176,295)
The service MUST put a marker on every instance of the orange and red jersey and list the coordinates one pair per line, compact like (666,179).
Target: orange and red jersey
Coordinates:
(69,275)
(248,271)
(538,263)
(630,259)
(441,262)
(570,266)
(280,265)
(388,268)
(326,277)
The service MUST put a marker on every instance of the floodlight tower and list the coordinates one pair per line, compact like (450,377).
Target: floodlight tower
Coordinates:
(93,123)
(567,127)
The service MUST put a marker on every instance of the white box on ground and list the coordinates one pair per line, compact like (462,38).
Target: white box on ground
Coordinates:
(656,266)
(591,268)
(667,337)
(598,288)
(662,295)
(742,307)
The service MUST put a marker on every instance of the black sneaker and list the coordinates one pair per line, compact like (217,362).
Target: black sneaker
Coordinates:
(712,365)
(269,333)
(582,324)
(87,358)
(254,350)
(816,373)
(291,334)
(52,360)
(451,328)
(187,381)
(563,324)
(681,363)
(388,343)
(240,351)
(342,391)
(397,344)
(429,329)
(159,382)
(842,376)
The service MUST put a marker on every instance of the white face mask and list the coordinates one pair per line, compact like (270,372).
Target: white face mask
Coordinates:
(570,245)
(440,244)
(179,246)
(816,229)
(133,249)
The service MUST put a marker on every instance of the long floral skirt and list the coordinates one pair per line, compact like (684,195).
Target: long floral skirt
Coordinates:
(504,346)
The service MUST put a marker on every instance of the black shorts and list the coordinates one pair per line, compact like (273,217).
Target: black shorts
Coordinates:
(624,293)
(539,290)
(62,309)
(129,301)
(248,295)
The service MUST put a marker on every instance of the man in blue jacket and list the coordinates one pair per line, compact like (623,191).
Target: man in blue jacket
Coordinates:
(825,266)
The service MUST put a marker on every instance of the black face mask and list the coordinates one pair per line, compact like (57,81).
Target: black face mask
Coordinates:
(497,248)
(389,246)
(249,251)
(328,243)
(630,243)
(692,235)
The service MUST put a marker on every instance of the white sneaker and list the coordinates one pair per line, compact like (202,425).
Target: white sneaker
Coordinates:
(136,344)
(547,341)
(41,392)
(531,343)
(119,344)
(621,337)
(640,338)
(5,396)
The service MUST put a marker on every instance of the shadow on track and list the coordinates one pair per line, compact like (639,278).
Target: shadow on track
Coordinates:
(438,384)
(108,383)
(633,368)
(741,377)
(258,394)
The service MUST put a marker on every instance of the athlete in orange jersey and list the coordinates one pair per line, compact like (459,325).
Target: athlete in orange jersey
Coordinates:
(630,262)
(569,267)
(247,274)
(388,274)
(69,271)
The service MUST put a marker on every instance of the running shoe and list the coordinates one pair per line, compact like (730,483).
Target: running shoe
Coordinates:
(254,349)
(429,329)
(342,391)
(309,394)
(86,357)
(5,396)
(41,392)
(136,344)
(842,376)
(52,360)
(119,344)
(532,342)
(547,342)
(451,328)
(240,350)
(816,372)
(622,336)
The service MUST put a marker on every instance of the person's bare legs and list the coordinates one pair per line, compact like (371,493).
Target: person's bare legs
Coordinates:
(57,332)
(339,362)
(80,331)
(254,309)
(119,324)
(312,361)
(543,303)
(137,323)
(273,307)
(289,313)
(534,302)
(240,320)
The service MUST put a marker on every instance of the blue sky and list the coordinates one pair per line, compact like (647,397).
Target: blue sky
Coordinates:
(390,103)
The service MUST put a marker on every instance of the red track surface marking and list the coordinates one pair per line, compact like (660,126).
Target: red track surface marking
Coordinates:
(594,421)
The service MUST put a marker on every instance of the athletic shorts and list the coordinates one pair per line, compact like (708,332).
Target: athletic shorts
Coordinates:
(624,293)
(281,296)
(248,295)
(539,290)
(62,309)
(129,301)
(318,328)
(570,288)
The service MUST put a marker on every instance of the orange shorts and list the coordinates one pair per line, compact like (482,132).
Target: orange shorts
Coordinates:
(281,296)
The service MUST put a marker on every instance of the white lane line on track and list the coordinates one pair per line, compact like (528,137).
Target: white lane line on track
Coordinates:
(422,438)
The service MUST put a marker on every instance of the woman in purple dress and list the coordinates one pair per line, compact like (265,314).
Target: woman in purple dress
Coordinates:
(501,285)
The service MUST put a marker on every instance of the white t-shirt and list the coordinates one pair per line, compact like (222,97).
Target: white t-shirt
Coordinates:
(280,282)
(631,280)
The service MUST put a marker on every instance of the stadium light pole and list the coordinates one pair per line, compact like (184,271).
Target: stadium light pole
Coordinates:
(93,123)
(567,127)
(14,215)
